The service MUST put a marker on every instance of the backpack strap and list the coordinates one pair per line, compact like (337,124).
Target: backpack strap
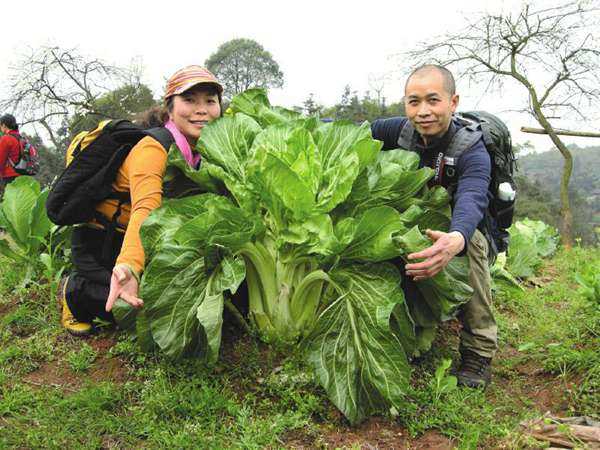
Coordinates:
(446,164)
(163,136)
(407,136)
(464,139)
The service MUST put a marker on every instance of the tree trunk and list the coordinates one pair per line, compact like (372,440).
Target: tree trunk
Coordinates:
(566,222)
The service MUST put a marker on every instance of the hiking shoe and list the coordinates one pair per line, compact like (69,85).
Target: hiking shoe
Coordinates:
(475,370)
(67,320)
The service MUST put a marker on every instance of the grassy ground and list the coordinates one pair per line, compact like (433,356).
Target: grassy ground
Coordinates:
(57,391)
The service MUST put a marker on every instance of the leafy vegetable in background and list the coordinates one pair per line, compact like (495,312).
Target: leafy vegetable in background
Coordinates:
(589,284)
(25,223)
(530,241)
(311,214)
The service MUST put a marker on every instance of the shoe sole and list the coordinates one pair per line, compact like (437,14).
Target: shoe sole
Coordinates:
(472,385)
(80,333)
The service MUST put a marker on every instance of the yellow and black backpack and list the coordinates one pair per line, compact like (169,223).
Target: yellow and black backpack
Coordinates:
(93,160)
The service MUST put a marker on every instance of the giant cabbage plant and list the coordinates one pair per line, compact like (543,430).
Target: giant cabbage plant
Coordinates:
(314,216)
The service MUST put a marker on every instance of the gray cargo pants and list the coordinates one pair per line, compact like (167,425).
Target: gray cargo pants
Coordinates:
(480,332)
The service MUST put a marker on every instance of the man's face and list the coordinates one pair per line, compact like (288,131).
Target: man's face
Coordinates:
(428,105)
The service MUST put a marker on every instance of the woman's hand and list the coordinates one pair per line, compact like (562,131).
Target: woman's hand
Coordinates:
(123,284)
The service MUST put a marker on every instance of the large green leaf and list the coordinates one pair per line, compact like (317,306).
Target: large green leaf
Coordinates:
(286,169)
(391,181)
(183,295)
(20,199)
(248,102)
(226,143)
(162,223)
(373,236)
(444,292)
(345,151)
(530,240)
(314,236)
(184,303)
(173,287)
(39,223)
(201,179)
(282,190)
(221,223)
(357,358)
(254,103)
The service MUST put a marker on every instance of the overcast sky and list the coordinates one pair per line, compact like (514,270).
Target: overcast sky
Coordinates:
(320,45)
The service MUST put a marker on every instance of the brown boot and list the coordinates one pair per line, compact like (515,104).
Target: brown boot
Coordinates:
(475,370)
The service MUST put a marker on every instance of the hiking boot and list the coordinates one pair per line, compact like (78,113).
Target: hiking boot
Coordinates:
(475,370)
(67,320)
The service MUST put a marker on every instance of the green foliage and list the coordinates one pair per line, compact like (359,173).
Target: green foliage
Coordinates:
(557,328)
(30,238)
(539,186)
(535,201)
(442,383)
(310,214)
(352,107)
(23,217)
(530,241)
(81,360)
(121,103)
(52,162)
(241,64)
(589,285)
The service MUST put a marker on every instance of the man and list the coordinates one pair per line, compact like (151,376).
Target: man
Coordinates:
(10,148)
(430,101)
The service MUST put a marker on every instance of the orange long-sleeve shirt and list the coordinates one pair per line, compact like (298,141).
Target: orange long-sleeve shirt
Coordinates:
(141,174)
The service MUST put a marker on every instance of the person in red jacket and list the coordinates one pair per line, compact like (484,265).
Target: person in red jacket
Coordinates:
(10,148)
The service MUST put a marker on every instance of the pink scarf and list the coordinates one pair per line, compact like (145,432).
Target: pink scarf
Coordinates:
(193,159)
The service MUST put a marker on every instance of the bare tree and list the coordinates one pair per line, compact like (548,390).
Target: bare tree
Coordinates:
(552,52)
(50,84)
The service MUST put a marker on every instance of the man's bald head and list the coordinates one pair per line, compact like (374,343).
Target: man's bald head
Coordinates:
(449,84)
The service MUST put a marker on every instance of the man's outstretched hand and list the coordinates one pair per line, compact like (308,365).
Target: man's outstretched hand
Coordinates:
(445,247)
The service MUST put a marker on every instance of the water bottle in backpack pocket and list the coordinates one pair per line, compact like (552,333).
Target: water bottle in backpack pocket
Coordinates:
(503,204)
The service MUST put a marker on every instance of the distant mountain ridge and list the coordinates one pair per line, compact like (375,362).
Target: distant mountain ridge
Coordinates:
(546,168)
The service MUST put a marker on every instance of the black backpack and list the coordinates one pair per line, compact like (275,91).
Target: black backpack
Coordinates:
(497,140)
(93,160)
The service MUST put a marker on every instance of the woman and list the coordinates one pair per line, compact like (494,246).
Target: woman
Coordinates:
(10,148)
(192,99)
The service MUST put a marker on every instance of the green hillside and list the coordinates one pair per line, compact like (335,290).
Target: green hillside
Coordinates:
(538,180)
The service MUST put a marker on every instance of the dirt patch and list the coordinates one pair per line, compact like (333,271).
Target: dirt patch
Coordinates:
(6,308)
(375,433)
(54,374)
(102,343)
(58,374)
(531,384)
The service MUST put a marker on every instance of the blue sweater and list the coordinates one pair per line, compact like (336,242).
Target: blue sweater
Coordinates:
(472,195)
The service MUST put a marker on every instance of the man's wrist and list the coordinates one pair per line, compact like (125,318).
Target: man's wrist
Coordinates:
(459,241)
